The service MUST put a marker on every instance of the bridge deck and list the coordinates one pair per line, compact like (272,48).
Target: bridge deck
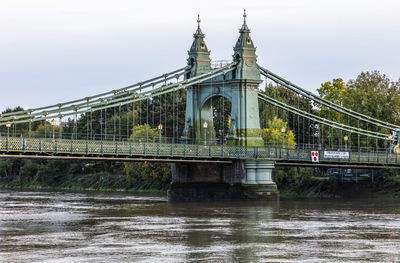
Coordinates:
(141,150)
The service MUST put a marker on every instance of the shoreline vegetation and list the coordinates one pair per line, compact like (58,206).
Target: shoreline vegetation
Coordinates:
(153,178)
(362,95)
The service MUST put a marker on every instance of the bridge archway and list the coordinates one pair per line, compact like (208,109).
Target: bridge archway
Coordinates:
(216,110)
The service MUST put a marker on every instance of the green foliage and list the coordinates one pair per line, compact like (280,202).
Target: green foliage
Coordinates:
(45,130)
(150,172)
(394,178)
(295,180)
(273,134)
(160,109)
(10,169)
(374,95)
(334,92)
(305,178)
(52,173)
(27,171)
(371,94)
(143,170)
(15,128)
(144,133)
(301,127)
(285,176)
(221,115)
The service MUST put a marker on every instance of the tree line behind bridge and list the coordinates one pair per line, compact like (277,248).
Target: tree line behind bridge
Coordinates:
(371,93)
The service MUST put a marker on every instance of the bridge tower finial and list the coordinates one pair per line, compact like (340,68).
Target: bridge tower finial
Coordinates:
(244,26)
(199,55)
(245,54)
(198,31)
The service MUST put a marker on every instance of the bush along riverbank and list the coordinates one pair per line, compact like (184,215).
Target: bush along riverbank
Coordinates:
(76,175)
(302,183)
(155,177)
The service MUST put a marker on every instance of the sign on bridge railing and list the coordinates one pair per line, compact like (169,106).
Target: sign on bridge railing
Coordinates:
(137,148)
(336,155)
(315,156)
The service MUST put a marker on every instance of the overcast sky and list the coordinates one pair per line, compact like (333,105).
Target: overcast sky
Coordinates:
(54,51)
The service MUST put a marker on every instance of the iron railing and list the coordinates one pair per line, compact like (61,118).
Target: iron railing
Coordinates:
(175,150)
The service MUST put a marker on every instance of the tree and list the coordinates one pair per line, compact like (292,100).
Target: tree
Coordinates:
(273,134)
(15,128)
(150,172)
(144,133)
(371,94)
(374,95)
(221,116)
(303,128)
(45,130)
(334,92)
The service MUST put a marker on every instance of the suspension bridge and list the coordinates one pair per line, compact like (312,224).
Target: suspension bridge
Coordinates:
(228,121)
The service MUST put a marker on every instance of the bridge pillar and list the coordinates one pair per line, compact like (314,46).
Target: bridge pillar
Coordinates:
(251,168)
(259,172)
(259,184)
(264,172)
(241,180)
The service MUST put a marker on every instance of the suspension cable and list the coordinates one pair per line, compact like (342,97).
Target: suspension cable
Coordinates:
(146,94)
(172,73)
(320,120)
(325,102)
(118,96)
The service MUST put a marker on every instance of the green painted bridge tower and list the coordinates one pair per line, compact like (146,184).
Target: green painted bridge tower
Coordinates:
(239,87)
(242,179)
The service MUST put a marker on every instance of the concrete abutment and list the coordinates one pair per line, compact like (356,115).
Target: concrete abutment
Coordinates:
(241,180)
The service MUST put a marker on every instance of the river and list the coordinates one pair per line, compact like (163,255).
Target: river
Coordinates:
(87,227)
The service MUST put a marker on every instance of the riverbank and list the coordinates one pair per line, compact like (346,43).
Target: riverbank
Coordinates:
(293,183)
(300,189)
(385,186)
(40,188)
(79,176)
(98,182)
(337,189)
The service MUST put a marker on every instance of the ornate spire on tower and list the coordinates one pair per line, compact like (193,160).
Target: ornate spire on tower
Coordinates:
(245,54)
(198,31)
(199,55)
(244,26)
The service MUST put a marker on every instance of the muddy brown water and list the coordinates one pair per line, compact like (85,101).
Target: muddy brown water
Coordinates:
(85,227)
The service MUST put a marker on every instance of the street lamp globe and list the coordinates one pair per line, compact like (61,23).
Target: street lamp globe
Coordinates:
(205,125)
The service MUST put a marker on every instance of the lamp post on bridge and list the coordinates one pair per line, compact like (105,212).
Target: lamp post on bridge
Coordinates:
(8,125)
(283,131)
(53,123)
(390,137)
(205,125)
(160,127)
(346,138)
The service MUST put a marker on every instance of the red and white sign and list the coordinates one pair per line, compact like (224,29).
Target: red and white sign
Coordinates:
(315,156)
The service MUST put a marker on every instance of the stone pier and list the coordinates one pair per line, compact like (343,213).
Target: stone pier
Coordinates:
(241,180)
